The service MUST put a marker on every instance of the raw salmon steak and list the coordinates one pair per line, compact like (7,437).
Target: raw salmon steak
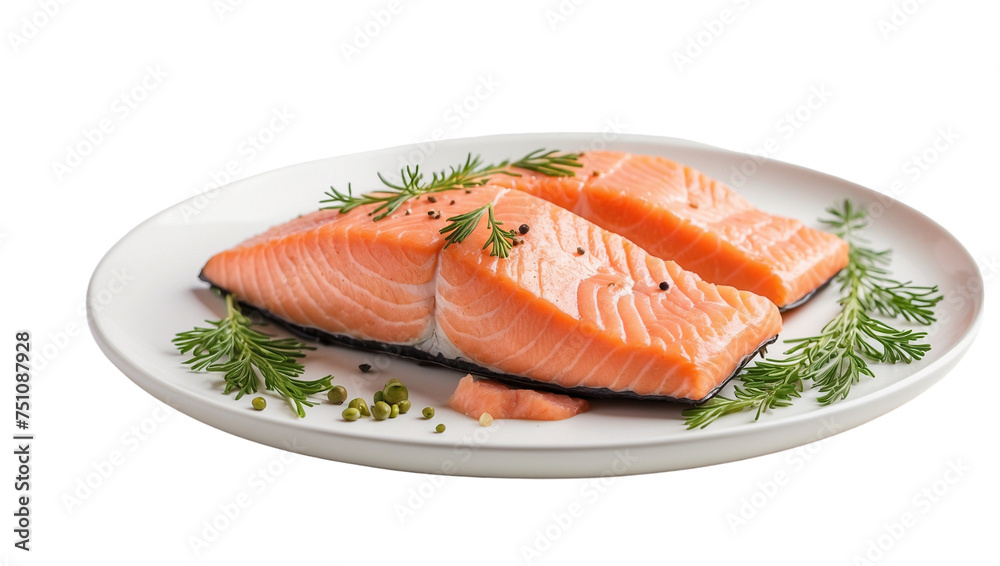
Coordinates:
(473,397)
(575,307)
(677,213)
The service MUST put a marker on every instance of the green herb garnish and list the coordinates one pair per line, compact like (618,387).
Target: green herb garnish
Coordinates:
(838,356)
(246,356)
(551,163)
(470,174)
(500,241)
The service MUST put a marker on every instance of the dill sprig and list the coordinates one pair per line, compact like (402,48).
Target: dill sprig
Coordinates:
(246,356)
(836,359)
(500,241)
(470,174)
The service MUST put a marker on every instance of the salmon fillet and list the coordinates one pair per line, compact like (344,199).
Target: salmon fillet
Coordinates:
(473,397)
(594,323)
(677,213)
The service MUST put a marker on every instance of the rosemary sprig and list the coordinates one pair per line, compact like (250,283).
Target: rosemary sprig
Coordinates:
(500,241)
(246,356)
(551,163)
(836,358)
(470,174)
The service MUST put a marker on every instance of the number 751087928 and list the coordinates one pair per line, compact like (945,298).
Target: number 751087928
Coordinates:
(22,374)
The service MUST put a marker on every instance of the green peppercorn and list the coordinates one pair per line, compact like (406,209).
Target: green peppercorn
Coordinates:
(381,410)
(259,403)
(337,394)
(394,392)
(351,414)
(428,412)
(360,404)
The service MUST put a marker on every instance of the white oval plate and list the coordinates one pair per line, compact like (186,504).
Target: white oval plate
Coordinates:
(134,324)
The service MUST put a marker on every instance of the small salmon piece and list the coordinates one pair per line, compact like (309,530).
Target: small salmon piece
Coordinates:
(677,213)
(596,323)
(473,397)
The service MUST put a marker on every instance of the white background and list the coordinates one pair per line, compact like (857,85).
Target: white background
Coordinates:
(219,75)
